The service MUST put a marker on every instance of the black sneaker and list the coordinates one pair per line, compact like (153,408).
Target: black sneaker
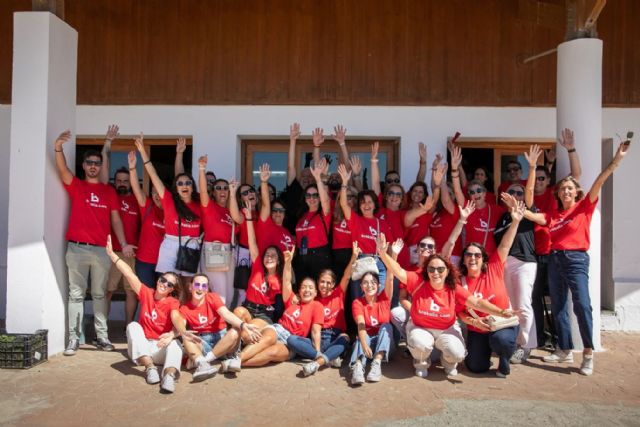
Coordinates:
(104,344)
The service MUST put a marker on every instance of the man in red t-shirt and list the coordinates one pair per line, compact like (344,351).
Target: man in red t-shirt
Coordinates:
(94,211)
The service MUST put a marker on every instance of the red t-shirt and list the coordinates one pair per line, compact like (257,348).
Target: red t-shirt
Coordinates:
(395,219)
(434,309)
(155,316)
(365,231)
(310,226)
(260,290)
(189,228)
(504,186)
(489,286)
(441,227)
(91,207)
(217,223)
(130,216)
(374,315)
(243,240)
(341,236)
(298,318)
(333,309)
(489,198)
(205,318)
(545,202)
(151,232)
(570,228)
(480,226)
(418,230)
(272,234)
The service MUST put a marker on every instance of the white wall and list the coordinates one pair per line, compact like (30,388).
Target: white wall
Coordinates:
(5,131)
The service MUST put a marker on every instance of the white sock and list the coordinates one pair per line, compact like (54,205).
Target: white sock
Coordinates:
(210,357)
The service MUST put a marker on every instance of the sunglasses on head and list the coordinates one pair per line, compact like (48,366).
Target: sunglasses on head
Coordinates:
(184,183)
(479,191)
(473,254)
(440,270)
(247,192)
(392,180)
(394,193)
(200,285)
(221,187)
(278,210)
(516,192)
(311,195)
(93,162)
(541,178)
(429,246)
(167,283)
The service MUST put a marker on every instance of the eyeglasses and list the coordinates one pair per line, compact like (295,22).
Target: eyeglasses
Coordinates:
(247,192)
(394,193)
(201,286)
(513,169)
(424,246)
(221,187)
(516,192)
(541,178)
(440,270)
(278,210)
(93,162)
(479,191)
(311,195)
(184,183)
(167,283)
(477,255)
(392,180)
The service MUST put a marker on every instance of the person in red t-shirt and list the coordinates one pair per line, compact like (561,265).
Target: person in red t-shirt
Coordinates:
(341,241)
(569,261)
(94,211)
(219,234)
(151,340)
(514,172)
(207,317)
(271,231)
(334,340)
(182,215)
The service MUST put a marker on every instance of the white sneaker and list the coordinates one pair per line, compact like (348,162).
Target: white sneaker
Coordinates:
(450,369)
(500,374)
(310,368)
(422,371)
(357,374)
(168,383)
(560,356)
(521,355)
(231,365)
(336,363)
(152,375)
(203,371)
(375,372)
(587,364)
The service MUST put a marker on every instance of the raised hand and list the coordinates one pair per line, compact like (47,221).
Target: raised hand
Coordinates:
(139,143)
(456,157)
(622,150)
(533,155)
(439,173)
(356,165)
(422,152)
(233,187)
(356,249)
(344,174)
(181,145)
(202,162)
(508,200)
(61,139)
(265,173)
(294,131)
(318,169)
(339,133)
(132,159)
(112,132)
(517,211)
(288,254)
(469,208)
(436,161)
(397,246)
(317,137)
(427,205)
(247,213)
(374,151)
(567,140)
(381,243)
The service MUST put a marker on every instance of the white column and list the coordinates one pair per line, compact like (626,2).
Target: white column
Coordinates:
(43,105)
(579,107)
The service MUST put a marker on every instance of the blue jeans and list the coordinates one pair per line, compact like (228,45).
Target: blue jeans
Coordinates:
(333,344)
(354,285)
(481,345)
(209,340)
(302,346)
(377,343)
(569,270)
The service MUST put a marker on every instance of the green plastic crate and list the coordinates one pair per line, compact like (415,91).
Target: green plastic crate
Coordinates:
(22,351)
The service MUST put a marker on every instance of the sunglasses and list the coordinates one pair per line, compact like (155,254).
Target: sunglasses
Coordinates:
(479,191)
(247,192)
(312,196)
(541,178)
(278,210)
(440,270)
(184,183)
(221,187)
(513,169)
(201,286)
(394,193)
(167,283)
(516,192)
(477,255)
(392,180)
(424,246)
(93,162)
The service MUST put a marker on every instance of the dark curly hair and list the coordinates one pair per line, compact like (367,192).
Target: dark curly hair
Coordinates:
(424,187)
(374,197)
(453,276)
(485,258)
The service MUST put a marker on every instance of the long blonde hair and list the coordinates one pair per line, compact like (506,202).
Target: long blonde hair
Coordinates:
(579,190)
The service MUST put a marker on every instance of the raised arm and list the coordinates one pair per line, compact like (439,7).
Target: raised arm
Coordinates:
(356,172)
(422,209)
(346,276)
(254,251)
(437,176)
(393,266)
(153,175)
(124,268)
(178,166)
(61,162)
(447,202)
(294,134)
(112,133)
(202,181)
(568,142)
(265,206)
(344,205)
(517,212)
(447,248)
(382,247)
(456,161)
(325,201)
(287,289)
(422,168)
(623,148)
(532,157)
(234,210)
(133,177)
(317,137)
(375,169)
(339,135)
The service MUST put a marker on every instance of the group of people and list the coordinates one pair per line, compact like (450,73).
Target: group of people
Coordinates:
(248,277)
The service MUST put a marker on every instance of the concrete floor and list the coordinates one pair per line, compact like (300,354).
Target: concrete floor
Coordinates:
(98,388)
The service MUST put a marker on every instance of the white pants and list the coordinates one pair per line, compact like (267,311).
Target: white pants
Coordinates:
(399,318)
(221,282)
(519,277)
(421,342)
(139,346)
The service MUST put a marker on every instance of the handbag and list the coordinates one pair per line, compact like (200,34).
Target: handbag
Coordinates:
(242,272)
(217,255)
(364,265)
(188,259)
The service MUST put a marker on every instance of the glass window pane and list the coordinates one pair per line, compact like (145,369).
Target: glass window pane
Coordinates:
(278,165)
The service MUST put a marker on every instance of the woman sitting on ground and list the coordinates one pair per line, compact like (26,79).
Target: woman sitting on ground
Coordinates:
(151,340)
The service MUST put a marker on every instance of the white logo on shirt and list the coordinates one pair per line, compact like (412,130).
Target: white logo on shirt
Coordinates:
(95,198)
(125,206)
(374,321)
(153,316)
(296,313)
(327,311)
(263,288)
(434,306)
(373,231)
(484,224)
(202,319)
(305,223)
(343,224)
(477,295)
(286,241)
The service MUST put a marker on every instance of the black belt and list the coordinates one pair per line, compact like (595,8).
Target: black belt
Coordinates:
(257,307)
(82,243)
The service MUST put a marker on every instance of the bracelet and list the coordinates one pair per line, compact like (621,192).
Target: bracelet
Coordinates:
(374,160)
(573,150)
(423,162)
(148,161)
(57,151)
(462,222)
(132,169)
(119,259)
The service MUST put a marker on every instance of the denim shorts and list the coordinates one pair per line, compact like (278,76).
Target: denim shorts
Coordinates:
(210,339)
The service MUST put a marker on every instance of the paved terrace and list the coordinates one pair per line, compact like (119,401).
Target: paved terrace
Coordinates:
(98,388)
